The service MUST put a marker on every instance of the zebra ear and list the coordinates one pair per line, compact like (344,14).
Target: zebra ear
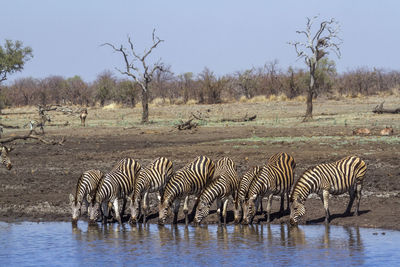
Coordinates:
(71,198)
(254,196)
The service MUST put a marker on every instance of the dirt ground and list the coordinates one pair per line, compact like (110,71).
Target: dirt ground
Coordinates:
(43,176)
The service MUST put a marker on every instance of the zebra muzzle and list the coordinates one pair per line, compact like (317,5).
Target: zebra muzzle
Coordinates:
(292,222)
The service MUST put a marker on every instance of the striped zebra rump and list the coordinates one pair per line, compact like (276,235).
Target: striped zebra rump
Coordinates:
(86,186)
(190,180)
(117,184)
(224,184)
(275,178)
(152,178)
(345,175)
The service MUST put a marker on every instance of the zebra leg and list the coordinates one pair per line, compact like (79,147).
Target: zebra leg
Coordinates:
(116,210)
(104,211)
(287,200)
(159,194)
(219,209)
(358,196)
(176,210)
(281,209)
(224,210)
(325,201)
(186,209)
(259,201)
(352,197)
(145,206)
(123,207)
(269,204)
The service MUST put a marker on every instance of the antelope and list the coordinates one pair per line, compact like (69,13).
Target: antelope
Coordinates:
(83,116)
(361,131)
(387,131)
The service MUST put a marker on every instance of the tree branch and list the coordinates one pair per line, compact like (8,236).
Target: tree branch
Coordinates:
(31,135)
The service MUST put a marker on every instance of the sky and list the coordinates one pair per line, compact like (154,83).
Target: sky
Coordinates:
(224,36)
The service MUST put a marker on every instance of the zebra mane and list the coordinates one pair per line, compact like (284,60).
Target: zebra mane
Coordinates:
(77,187)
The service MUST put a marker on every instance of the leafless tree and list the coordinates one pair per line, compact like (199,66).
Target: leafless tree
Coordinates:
(317,46)
(142,75)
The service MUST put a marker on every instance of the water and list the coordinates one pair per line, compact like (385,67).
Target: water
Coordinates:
(60,244)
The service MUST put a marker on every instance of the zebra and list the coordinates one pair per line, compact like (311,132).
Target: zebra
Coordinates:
(152,178)
(191,179)
(116,185)
(276,178)
(225,183)
(87,184)
(4,159)
(244,185)
(33,124)
(345,175)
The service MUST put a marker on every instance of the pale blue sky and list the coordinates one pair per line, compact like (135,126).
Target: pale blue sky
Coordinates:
(225,36)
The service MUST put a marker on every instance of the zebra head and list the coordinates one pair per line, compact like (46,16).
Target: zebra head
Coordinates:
(134,207)
(236,211)
(4,159)
(76,204)
(163,211)
(93,209)
(202,211)
(249,209)
(297,210)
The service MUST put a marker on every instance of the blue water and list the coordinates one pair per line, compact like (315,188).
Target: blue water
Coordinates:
(60,244)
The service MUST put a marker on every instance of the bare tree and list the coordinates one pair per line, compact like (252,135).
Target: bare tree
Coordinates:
(144,75)
(316,47)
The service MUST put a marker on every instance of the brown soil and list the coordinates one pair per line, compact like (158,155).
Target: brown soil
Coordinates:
(37,188)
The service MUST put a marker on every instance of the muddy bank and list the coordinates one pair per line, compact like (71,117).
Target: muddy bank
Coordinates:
(37,188)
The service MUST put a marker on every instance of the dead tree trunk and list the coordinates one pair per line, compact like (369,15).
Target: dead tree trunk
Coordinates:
(145,106)
(315,48)
(142,75)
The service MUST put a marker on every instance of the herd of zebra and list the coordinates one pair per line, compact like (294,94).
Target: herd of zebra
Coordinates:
(209,182)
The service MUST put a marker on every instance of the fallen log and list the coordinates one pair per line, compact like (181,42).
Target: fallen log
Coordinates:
(8,126)
(244,119)
(380,110)
(32,135)
(187,125)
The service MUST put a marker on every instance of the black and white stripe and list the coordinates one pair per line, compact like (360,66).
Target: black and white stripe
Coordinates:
(224,184)
(116,185)
(275,178)
(244,186)
(190,180)
(345,175)
(86,185)
(152,178)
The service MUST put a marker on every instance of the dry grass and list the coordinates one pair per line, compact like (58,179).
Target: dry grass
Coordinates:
(112,106)
(271,98)
(348,112)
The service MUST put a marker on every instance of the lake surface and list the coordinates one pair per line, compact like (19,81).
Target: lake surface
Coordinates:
(61,244)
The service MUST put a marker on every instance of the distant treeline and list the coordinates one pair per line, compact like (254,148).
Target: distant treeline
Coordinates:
(204,88)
